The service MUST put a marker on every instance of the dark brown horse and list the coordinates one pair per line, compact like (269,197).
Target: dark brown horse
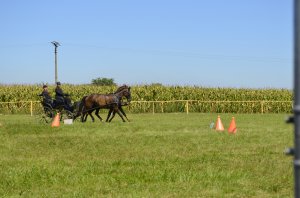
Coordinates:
(112,101)
(120,104)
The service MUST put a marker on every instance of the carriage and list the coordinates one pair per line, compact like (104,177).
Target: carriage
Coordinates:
(66,110)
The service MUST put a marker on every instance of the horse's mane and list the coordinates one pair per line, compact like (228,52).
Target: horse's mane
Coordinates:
(121,88)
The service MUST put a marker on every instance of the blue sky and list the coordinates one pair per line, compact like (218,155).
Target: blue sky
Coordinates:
(209,43)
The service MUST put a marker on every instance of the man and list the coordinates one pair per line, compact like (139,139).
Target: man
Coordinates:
(60,97)
(46,96)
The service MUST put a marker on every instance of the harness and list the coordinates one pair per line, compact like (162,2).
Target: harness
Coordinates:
(114,100)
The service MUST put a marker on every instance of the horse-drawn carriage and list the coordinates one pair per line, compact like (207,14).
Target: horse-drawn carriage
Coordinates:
(94,102)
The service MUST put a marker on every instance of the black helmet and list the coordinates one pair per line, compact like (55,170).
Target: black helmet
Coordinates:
(58,83)
(45,86)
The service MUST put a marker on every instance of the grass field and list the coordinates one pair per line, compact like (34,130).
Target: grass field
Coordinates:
(160,155)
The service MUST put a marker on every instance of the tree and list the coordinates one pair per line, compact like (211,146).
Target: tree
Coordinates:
(103,82)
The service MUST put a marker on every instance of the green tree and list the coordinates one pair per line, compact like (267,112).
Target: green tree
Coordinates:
(103,82)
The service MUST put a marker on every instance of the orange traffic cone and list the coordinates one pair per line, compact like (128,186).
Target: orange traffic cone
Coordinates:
(232,127)
(56,121)
(219,125)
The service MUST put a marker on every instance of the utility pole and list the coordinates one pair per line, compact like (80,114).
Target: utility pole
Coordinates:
(56,44)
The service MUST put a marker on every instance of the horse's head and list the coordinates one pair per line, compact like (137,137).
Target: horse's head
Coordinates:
(128,95)
(124,91)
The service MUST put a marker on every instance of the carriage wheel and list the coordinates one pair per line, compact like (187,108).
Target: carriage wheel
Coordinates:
(48,115)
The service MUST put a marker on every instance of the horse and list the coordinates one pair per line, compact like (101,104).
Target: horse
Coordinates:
(112,101)
(120,104)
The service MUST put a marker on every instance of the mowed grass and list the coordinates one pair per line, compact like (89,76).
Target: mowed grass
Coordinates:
(160,155)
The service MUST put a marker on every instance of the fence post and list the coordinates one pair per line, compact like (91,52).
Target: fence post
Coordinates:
(162,107)
(262,106)
(153,107)
(187,107)
(31,108)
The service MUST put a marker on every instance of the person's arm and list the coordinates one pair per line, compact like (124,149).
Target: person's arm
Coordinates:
(59,92)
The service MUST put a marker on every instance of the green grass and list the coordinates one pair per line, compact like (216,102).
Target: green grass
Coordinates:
(160,155)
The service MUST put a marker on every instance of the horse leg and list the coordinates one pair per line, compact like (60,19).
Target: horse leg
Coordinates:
(116,110)
(97,114)
(90,113)
(82,113)
(109,114)
(119,113)
(114,113)
(85,116)
(82,117)
(122,111)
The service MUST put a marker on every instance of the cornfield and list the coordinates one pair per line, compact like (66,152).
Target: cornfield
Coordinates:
(156,98)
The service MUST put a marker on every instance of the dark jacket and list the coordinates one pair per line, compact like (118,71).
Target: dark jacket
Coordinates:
(60,96)
(46,97)
(59,92)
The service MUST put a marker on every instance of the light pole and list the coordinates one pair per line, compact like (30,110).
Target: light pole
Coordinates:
(56,44)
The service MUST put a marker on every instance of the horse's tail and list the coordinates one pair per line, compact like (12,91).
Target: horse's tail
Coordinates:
(81,107)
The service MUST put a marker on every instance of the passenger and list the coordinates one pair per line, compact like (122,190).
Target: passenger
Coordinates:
(47,99)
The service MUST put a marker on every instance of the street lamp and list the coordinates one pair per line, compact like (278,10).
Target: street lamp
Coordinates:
(56,44)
